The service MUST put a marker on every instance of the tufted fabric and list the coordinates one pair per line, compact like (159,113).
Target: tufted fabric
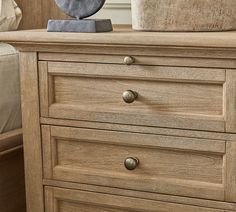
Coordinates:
(10,15)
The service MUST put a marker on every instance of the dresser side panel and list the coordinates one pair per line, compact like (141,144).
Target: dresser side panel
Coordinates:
(31,131)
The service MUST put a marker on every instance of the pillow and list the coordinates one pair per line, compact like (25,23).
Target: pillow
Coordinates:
(10,15)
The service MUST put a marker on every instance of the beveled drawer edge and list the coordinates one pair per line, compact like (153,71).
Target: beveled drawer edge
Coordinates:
(140,129)
(56,197)
(124,50)
(162,73)
(54,138)
(167,121)
(140,140)
(143,195)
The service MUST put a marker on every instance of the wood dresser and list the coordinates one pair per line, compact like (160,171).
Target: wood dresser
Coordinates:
(128,121)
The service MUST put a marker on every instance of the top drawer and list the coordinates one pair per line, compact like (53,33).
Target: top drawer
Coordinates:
(175,97)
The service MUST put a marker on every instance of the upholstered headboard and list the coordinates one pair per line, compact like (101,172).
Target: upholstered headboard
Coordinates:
(37,12)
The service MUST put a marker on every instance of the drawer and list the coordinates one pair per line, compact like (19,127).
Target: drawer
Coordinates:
(154,163)
(173,97)
(65,200)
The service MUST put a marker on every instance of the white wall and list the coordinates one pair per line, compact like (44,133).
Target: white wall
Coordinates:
(119,11)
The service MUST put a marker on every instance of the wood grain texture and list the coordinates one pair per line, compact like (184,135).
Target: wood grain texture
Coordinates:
(43,88)
(47,160)
(94,92)
(182,15)
(230,194)
(37,13)
(140,129)
(144,140)
(171,98)
(32,12)
(50,11)
(68,158)
(65,200)
(126,37)
(230,101)
(11,139)
(143,195)
(31,131)
(80,80)
(160,56)
(138,51)
(100,66)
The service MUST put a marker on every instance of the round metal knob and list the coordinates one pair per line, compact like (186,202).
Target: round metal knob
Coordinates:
(129,60)
(131,163)
(129,96)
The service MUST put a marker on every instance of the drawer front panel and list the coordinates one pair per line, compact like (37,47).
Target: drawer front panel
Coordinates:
(65,200)
(170,165)
(167,96)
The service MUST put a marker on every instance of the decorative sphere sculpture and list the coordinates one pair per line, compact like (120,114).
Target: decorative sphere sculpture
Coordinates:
(80,9)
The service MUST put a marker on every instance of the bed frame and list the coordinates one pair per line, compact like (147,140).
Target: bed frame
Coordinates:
(12,192)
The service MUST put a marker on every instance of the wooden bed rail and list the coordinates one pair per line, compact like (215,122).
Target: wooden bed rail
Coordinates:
(12,172)
(11,140)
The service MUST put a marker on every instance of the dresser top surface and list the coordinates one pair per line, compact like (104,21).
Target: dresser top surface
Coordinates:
(124,36)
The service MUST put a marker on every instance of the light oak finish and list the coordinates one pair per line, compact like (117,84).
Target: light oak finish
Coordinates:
(65,200)
(78,155)
(78,131)
(230,194)
(168,96)
(230,101)
(143,195)
(158,56)
(145,56)
(140,129)
(121,36)
(31,131)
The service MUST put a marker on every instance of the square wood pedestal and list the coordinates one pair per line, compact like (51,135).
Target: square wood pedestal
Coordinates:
(128,121)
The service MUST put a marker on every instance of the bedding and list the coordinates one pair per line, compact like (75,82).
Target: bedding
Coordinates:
(10,15)
(10,110)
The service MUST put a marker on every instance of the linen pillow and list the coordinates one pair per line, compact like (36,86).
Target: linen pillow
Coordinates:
(10,15)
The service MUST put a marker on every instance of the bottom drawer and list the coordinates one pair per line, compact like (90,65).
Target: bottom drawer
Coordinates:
(161,164)
(65,200)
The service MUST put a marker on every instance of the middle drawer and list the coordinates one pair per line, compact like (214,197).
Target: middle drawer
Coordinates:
(173,97)
(144,162)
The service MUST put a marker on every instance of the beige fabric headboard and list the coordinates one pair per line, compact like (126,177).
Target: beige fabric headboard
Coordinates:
(37,12)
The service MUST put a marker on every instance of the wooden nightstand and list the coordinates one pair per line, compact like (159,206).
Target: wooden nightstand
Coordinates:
(128,121)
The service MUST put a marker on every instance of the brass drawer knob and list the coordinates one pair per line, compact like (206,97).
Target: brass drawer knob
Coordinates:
(129,96)
(131,163)
(129,60)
